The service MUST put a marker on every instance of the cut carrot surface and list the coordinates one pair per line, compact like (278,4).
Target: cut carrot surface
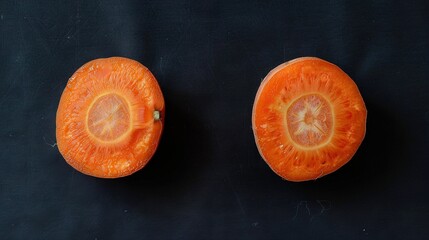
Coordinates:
(308,119)
(110,118)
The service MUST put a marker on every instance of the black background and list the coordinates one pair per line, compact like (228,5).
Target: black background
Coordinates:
(207,180)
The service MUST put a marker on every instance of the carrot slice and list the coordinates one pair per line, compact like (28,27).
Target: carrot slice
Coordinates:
(110,118)
(308,119)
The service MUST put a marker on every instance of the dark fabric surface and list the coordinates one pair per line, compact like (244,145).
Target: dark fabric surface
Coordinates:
(207,180)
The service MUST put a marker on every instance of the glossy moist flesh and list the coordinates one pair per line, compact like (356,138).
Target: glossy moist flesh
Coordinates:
(308,119)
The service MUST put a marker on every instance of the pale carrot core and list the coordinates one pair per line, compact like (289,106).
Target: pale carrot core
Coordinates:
(108,117)
(309,120)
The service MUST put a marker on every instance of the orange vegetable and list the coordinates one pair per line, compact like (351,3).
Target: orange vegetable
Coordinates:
(110,118)
(308,119)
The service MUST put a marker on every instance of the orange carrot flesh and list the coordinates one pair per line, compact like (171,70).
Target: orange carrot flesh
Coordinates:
(308,119)
(110,118)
